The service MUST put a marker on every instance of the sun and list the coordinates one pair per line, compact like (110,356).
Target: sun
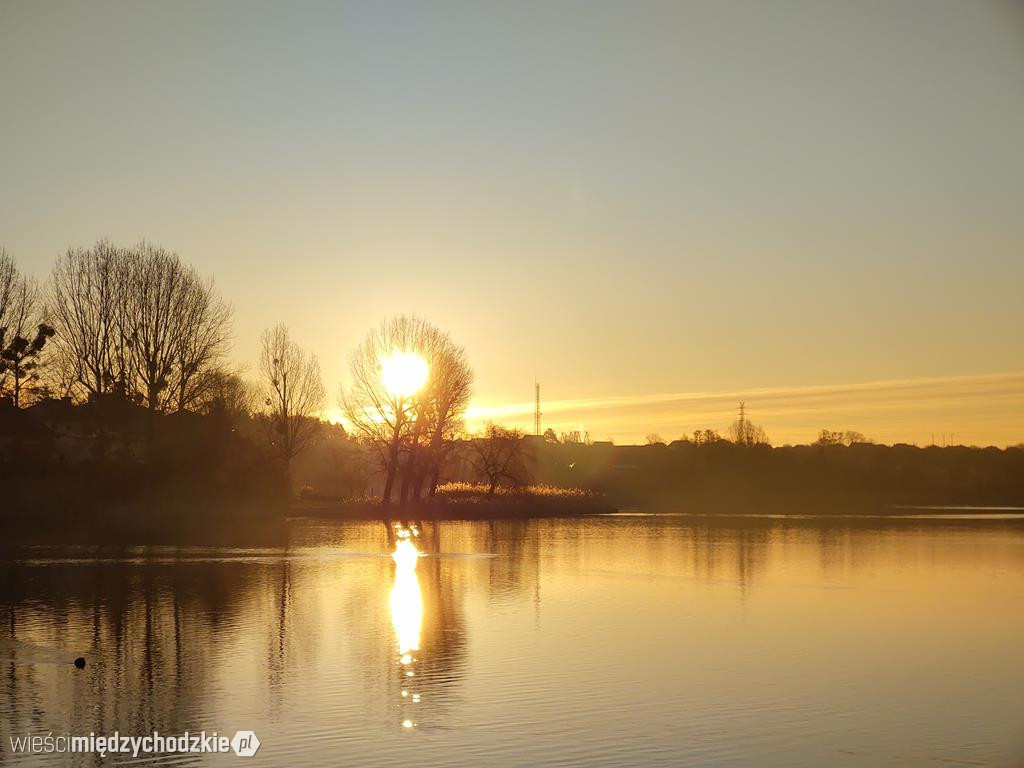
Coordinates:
(403,373)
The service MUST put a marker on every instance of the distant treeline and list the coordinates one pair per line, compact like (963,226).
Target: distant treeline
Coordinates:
(124,330)
(108,454)
(111,458)
(723,476)
(116,391)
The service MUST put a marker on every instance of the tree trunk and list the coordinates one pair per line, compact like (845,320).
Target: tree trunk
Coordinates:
(392,464)
(417,486)
(410,486)
(406,478)
(436,444)
(389,482)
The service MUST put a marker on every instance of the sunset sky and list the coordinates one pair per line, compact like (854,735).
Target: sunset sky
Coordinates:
(657,209)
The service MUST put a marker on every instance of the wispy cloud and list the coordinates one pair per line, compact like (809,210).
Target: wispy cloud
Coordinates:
(980,408)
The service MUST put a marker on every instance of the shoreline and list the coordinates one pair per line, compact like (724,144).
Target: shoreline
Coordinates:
(470,508)
(525,508)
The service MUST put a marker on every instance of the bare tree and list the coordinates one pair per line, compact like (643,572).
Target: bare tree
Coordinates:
(9,278)
(745,432)
(87,296)
(445,399)
(382,417)
(157,284)
(137,321)
(293,392)
(411,432)
(653,438)
(840,437)
(499,456)
(227,394)
(202,343)
(706,436)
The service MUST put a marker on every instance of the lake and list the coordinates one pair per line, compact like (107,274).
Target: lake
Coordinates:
(606,641)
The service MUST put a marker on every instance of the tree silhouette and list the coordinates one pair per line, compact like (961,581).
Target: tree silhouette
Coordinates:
(226,394)
(86,301)
(9,279)
(745,432)
(202,344)
(410,433)
(136,321)
(20,357)
(499,456)
(293,393)
(840,437)
(23,330)
(706,436)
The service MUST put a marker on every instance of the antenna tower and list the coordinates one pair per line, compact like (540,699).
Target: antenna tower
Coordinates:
(536,408)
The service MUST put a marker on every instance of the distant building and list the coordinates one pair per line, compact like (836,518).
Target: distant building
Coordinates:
(108,426)
(21,434)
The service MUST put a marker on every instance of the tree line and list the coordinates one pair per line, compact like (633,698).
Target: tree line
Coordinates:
(136,322)
(140,325)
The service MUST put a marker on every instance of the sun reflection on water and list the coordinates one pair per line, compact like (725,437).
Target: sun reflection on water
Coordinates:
(407,612)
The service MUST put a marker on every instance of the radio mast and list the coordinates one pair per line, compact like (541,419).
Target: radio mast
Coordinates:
(536,408)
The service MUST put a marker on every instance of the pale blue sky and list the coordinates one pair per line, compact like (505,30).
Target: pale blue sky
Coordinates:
(627,198)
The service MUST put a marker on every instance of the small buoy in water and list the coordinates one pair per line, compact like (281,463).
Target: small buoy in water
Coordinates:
(80,662)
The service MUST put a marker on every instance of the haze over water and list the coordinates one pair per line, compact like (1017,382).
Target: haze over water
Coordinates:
(607,641)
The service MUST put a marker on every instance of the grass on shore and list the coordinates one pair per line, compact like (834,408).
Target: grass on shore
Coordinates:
(471,501)
(460,491)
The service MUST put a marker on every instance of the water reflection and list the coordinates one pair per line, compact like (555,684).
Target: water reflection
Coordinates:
(407,616)
(599,642)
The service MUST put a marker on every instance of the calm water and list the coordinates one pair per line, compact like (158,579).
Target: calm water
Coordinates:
(605,642)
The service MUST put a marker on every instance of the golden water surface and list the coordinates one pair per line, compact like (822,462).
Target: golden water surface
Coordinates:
(608,641)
